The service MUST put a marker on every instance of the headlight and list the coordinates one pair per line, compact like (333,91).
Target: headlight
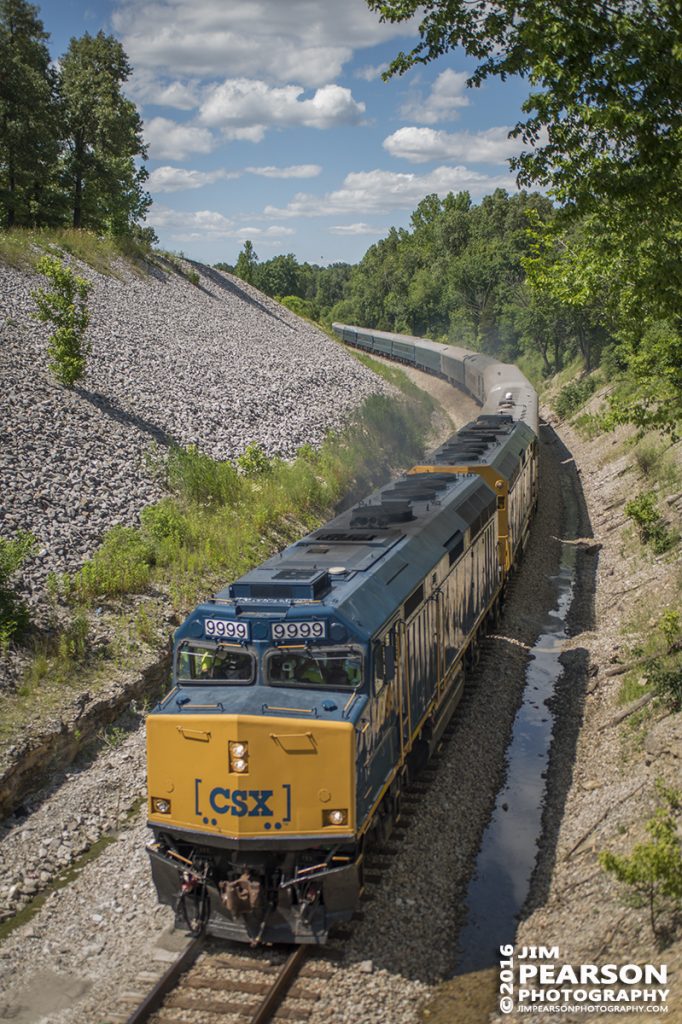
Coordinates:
(338,817)
(239,756)
(160,805)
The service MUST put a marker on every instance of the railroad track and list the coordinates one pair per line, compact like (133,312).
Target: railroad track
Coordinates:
(264,984)
(210,979)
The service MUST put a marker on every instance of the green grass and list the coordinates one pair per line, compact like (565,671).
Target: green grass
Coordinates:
(23,247)
(218,521)
(656,658)
(659,462)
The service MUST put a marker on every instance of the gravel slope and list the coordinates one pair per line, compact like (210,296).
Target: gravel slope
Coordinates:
(215,364)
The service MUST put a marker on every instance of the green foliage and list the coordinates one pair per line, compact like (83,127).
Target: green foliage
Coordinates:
(14,617)
(670,627)
(653,870)
(253,460)
(65,307)
(650,387)
(104,136)
(121,565)
(69,139)
(200,478)
(604,136)
(574,395)
(113,737)
(29,122)
(643,510)
(307,289)
(301,307)
(72,642)
(246,262)
(164,521)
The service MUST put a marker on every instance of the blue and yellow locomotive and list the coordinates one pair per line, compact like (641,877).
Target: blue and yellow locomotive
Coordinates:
(308,692)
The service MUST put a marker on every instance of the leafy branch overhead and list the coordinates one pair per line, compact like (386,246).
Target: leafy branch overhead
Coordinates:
(603,136)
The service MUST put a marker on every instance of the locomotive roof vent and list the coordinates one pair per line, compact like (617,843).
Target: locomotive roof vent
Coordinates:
(292,584)
(380,515)
(496,420)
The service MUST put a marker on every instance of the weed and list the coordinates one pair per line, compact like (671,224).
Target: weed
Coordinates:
(121,565)
(200,478)
(193,277)
(253,460)
(643,511)
(589,425)
(72,642)
(656,461)
(574,395)
(14,618)
(653,871)
(65,307)
(113,737)
(145,627)
(164,521)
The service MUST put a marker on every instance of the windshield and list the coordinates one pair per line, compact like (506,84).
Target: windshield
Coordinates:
(219,663)
(333,668)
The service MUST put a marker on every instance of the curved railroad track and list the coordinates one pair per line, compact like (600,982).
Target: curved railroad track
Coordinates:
(260,985)
(253,985)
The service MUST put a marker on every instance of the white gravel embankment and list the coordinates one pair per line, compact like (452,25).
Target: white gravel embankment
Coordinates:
(215,364)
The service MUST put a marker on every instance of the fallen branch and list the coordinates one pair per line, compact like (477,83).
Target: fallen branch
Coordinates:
(601,818)
(622,715)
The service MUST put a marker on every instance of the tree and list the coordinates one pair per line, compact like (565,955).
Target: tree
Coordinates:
(104,137)
(605,122)
(29,130)
(247,261)
(653,870)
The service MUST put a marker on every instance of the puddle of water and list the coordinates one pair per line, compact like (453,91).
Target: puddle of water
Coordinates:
(505,863)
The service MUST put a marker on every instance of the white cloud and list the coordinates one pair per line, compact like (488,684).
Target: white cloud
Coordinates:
(447,96)
(146,87)
(274,231)
(301,40)
(295,171)
(169,140)
(371,71)
(175,179)
(419,145)
(356,229)
(380,191)
(246,108)
(189,226)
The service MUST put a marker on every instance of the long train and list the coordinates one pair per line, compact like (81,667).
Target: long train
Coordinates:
(308,692)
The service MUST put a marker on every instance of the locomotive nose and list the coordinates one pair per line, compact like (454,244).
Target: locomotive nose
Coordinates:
(250,777)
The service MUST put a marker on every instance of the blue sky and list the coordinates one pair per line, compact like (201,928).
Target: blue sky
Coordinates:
(268,120)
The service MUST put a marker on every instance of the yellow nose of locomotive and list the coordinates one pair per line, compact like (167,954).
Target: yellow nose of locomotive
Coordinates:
(245,776)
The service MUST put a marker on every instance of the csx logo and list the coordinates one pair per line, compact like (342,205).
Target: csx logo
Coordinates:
(253,803)
(242,803)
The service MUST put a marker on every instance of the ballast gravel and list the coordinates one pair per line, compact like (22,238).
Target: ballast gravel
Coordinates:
(215,364)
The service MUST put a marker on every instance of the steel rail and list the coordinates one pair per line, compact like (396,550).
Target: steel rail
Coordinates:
(268,1008)
(166,982)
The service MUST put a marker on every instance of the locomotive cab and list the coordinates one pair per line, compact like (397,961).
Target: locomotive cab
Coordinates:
(251,774)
